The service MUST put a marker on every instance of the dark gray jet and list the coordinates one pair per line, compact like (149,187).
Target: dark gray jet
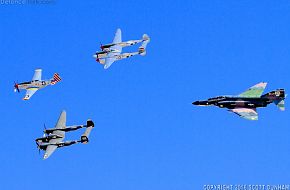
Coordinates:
(246,103)
(53,138)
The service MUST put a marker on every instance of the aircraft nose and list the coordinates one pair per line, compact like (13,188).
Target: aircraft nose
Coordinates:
(200,103)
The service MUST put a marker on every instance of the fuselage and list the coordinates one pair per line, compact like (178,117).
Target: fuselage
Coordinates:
(36,84)
(43,142)
(235,102)
(105,52)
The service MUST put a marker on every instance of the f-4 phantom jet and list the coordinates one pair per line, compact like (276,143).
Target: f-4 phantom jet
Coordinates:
(53,138)
(113,52)
(35,84)
(245,104)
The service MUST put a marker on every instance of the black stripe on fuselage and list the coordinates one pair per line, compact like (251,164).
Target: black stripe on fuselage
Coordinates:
(234,102)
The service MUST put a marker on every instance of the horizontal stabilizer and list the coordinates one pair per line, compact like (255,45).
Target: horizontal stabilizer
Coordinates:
(280,104)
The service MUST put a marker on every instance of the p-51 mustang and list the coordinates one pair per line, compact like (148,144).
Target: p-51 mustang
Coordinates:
(112,52)
(246,103)
(53,138)
(35,84)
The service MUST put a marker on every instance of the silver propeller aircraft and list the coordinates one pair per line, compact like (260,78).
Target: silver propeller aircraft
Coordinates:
(35,84)
(53,138)
(112,52)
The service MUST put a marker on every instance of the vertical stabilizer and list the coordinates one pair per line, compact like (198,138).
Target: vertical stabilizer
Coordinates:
(277,96)
(56,78)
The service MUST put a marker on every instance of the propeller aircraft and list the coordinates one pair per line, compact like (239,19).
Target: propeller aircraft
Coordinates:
(35,84)
(112,52)
(53,138)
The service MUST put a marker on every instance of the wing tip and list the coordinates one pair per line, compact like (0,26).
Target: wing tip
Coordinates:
(45,156)
(261,84)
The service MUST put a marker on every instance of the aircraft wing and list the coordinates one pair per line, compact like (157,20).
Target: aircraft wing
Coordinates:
(117,40)
(255,91)
(37,74)
(29,93)
(53,142)
(246,113)
(111,56)
(109,61)
(61,123)
(49,150)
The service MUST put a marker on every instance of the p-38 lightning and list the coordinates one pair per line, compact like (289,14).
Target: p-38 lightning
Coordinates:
(53,138)
(113,52)
(35,84)
(245,104)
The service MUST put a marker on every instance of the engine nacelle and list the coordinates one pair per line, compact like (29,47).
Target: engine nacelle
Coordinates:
(101,61)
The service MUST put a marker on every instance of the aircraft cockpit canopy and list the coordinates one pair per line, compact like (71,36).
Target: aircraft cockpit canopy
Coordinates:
(218,98)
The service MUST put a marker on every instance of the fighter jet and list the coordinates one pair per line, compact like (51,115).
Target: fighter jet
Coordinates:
(53,138)
(112,52)
(245,104)
(35,84)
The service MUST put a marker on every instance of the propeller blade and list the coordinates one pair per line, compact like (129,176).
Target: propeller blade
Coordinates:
(44,126)
(16,87)
(38,147)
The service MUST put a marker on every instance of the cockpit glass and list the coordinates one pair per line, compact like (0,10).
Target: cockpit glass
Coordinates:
(216,98)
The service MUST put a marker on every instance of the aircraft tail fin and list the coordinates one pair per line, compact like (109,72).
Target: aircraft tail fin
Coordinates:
(145,37)
(56,78)
(85,136)
(277,96)
(142,48)
(90,123)
(142,51)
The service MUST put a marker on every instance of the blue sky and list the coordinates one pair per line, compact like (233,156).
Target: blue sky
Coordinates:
(147,134)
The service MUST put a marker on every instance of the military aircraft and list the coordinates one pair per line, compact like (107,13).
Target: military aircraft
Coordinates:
(53,138)
(112,52)
(35,84)
(245,104)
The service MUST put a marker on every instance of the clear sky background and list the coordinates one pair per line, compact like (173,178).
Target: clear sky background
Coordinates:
(147,134)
